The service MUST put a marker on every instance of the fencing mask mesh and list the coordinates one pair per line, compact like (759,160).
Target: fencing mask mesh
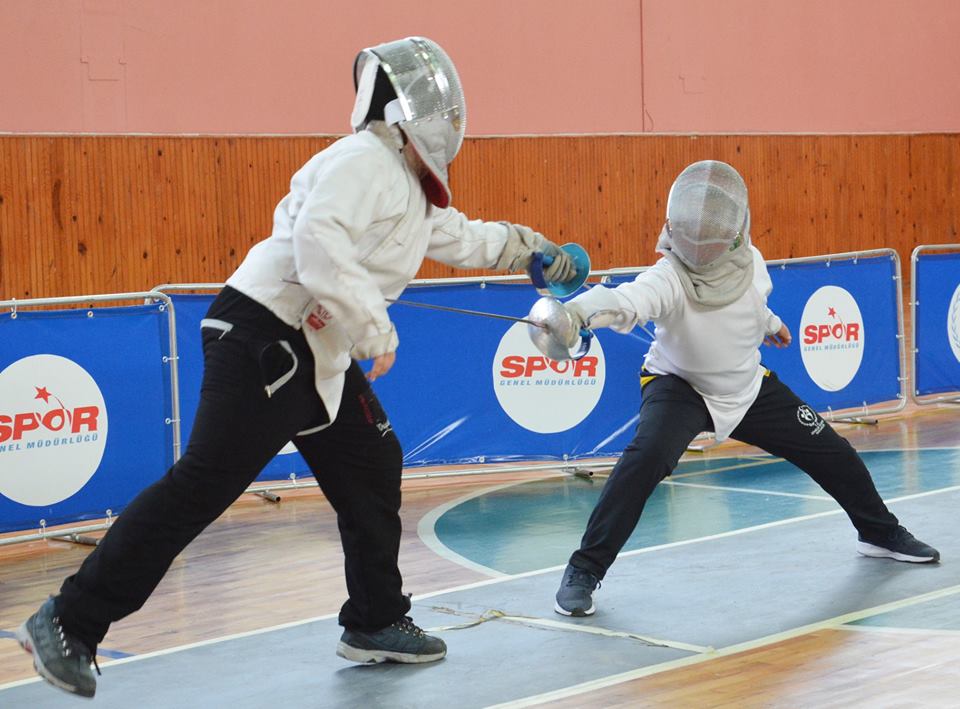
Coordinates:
(429,107)
(707,213)
(707,233)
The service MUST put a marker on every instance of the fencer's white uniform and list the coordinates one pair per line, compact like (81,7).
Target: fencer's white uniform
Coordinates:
(352,231)
(715,349)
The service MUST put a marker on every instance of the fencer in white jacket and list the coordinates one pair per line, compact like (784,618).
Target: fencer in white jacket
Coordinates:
(707,298)
(281,344)
(715,349)
(352,234)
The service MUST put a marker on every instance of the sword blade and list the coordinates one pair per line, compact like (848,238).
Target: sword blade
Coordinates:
(462,311)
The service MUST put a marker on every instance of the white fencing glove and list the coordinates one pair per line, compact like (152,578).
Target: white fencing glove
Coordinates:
(563,268)
(579,317)
(523,242)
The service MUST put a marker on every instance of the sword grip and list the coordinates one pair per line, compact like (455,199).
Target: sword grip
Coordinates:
(535,269)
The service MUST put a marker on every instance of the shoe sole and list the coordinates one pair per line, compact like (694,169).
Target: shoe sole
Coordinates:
(872,550)
(26,642)
(373,657)
(576,612)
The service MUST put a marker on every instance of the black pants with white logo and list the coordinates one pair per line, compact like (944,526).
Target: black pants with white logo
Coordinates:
(238,429)
(671,416)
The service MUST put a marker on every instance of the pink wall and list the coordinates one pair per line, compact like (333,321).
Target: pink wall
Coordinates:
(529,66)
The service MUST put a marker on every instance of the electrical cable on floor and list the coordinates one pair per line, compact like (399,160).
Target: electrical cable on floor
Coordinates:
(493,614)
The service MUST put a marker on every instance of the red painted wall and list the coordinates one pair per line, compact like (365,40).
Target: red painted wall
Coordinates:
(528,66)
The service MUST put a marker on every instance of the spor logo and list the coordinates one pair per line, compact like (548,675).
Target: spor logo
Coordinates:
(953,323)
(53,429)
(541,394)
(831,338)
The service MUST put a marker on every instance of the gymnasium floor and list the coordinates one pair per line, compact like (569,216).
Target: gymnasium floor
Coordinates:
(740,587)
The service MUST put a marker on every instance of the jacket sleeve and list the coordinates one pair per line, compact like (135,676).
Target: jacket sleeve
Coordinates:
(338,209)
(465,243)
(761,280)
(650,296)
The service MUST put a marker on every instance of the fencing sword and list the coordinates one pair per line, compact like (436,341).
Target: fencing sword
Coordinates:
(464,311)
(544,332)
(548,333)
(448,309)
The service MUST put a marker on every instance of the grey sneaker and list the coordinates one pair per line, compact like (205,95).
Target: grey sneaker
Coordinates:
(401,642)
(575,595)
(58,657)
(899,545)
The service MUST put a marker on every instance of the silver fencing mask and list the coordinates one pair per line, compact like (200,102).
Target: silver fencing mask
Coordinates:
(429,106)
(707,232)
(707,213)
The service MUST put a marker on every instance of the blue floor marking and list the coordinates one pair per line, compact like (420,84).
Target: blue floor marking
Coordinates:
(538,524)
(114,654)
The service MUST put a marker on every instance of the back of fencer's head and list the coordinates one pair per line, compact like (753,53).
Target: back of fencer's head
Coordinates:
(708,213)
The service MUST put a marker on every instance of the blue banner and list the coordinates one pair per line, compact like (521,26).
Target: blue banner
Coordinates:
(843,317)
(84,404)
(84,398)
(468,389)
(937,323)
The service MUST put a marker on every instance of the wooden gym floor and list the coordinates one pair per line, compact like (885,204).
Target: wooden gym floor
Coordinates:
(265,564)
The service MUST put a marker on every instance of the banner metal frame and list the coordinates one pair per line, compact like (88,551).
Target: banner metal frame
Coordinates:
(928,399)
(580,468)
(14,305)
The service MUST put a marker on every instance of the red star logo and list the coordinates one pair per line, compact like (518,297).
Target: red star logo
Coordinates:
(42,393)
(831,312)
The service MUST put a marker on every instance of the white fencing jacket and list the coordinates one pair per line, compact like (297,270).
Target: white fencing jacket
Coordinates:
(715,349)
(353,231)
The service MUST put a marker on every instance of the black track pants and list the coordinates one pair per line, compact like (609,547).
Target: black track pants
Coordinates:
(671,416)
(238,429)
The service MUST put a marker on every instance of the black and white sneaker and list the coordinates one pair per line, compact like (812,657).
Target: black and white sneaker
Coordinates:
(575,595)
(401,642)
(899,545)
(61,659)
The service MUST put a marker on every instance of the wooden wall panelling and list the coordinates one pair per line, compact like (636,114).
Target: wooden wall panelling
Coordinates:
(84,214)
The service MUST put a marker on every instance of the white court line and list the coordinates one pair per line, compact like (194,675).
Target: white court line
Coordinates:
(427,525)
(478,584)
(778,523)
(684,542)
(830,623)
(426,531)
(747,489)
(188,646)
(910,449)
(917,632)
(694,473)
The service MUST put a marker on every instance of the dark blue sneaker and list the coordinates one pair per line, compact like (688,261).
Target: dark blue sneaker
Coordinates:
(899,545)
(401,642)
(575,595)
(58,657)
